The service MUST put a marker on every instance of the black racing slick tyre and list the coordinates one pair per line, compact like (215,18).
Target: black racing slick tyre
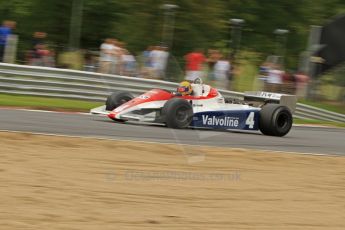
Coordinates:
(177,113)
(275,120)
(116,99)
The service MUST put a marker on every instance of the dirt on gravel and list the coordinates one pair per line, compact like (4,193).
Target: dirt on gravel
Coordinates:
(49,182)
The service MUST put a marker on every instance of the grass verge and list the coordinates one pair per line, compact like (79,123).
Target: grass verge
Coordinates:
(318,122)
(34,102)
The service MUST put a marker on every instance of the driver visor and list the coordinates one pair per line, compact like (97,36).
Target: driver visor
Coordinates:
(182,89)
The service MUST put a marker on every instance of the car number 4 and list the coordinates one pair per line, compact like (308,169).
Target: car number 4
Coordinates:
(250,120)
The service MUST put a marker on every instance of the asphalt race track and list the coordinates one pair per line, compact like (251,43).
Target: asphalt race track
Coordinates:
(300,139)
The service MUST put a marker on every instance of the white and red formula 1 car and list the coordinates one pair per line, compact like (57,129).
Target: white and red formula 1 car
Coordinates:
(270,113)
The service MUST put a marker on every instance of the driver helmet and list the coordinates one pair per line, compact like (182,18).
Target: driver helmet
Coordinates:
(185,88)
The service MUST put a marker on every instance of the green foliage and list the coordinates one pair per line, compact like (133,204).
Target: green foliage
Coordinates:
(198,23)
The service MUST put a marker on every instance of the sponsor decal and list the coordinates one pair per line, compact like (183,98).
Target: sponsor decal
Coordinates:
(270,95)
(236,119)
(221,100)
(220,121)
(144,96)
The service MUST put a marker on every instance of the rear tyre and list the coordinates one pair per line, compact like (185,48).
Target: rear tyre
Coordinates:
(275,120)
(116,99)
(177,113)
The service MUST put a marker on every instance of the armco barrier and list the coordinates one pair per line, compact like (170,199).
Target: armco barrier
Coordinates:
(72,84)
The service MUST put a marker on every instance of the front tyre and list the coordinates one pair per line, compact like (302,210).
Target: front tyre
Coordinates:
(177,113)
(116,99)
(275,120)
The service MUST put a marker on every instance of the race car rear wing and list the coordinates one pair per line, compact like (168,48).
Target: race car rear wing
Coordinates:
(259,98)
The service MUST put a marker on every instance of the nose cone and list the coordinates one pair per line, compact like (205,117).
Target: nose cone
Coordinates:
(111,115)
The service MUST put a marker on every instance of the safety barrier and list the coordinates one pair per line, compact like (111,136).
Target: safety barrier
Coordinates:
(72,84)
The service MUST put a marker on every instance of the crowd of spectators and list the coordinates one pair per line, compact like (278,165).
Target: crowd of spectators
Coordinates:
(275,79)
(40,54)
(114,58)
(215,67)
(155,60)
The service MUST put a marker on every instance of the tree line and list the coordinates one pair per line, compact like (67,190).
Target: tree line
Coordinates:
(198,23)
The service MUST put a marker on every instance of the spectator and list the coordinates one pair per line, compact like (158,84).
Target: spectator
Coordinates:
(107,56)
(263,73)
(274,78)
(234,70)
(118,51)
(146,57)
(128,63)
(147,70)
(40,55)
(89,61)
(222,72)
(289,80)
(5,31)
(213,57)
(159,58)
(194,64)
(302,81)
(39,38)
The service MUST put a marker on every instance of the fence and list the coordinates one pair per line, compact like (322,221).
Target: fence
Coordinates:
(72,84)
